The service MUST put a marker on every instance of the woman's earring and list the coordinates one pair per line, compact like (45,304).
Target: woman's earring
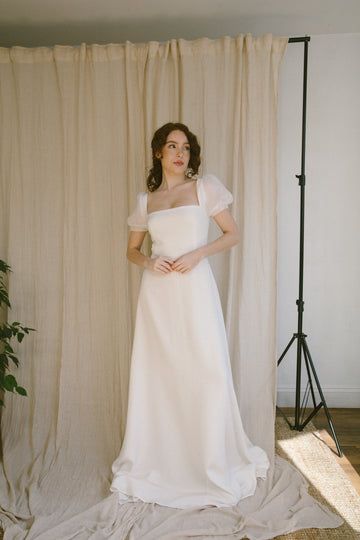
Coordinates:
(191,174)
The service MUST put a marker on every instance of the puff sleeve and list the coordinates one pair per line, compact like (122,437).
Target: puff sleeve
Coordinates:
(137,220)
(217,196)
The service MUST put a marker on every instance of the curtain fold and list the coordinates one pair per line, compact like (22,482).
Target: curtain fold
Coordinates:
(76,128)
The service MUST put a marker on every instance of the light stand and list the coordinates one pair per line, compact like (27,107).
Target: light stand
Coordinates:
(302,347)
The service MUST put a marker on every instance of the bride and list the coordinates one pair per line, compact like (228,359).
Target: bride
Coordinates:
(184,442)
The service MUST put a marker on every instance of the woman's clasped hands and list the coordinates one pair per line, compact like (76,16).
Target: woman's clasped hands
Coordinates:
(183,264)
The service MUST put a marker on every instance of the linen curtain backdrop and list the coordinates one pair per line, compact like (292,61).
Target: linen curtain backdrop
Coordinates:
(76,127)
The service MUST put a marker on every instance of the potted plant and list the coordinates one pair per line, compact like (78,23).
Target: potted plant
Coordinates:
(8,331)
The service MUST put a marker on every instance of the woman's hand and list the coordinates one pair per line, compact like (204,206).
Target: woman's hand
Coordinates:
(160,264)
(187,262)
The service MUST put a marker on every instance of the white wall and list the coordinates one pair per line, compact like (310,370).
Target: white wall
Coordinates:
(332,216)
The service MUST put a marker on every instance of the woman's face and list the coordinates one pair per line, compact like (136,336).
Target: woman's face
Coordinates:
(175,153)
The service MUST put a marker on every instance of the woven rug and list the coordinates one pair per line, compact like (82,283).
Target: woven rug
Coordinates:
(328,483)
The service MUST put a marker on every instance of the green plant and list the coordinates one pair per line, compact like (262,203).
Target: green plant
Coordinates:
(8,331)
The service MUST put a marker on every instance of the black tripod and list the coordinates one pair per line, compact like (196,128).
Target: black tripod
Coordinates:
(302,347)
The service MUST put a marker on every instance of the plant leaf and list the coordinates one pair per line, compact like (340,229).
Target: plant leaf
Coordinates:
(14,359)
(10,383)
(8,348)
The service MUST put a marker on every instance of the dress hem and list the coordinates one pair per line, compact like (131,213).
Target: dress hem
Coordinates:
(124,498)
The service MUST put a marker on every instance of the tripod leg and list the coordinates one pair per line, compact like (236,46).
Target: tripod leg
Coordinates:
(281,357)
(287,348)
(323,402)
(304,403)
(298,384)
(309,385)
(305,349)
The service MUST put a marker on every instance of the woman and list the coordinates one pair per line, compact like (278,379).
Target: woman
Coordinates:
(184,442)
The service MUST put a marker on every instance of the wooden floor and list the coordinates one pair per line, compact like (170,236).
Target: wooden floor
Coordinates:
(346,424)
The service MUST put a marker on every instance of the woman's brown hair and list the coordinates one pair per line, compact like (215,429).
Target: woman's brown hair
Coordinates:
(154,178)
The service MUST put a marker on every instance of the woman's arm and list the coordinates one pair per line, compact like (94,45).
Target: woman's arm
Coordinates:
(229,238)
(133,253)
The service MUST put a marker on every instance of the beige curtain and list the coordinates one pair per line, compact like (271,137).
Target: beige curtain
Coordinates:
(76,126)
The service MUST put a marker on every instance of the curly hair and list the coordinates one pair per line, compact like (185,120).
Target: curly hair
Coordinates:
(154,178)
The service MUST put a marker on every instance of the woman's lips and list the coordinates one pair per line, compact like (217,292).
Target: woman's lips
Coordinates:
(178,163)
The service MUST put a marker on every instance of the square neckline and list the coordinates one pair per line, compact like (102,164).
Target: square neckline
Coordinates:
(175,207)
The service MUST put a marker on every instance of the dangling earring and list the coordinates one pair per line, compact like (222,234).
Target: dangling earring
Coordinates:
(190,173)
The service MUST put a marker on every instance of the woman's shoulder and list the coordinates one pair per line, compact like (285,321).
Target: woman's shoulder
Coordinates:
(137,220)
(217,195)
(211,181)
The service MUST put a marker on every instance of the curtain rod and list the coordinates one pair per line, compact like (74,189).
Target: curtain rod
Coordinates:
(297,39)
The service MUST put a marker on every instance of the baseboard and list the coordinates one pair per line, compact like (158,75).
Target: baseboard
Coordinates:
(347,397)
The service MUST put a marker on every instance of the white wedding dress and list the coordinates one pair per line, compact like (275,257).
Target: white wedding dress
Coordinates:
(184,442)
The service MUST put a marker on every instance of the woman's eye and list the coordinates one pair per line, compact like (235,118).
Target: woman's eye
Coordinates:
(186,147)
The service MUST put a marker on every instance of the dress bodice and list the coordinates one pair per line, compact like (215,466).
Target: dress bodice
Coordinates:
(175,231)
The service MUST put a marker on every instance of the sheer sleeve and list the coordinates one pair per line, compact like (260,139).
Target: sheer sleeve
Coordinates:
(137,220)
(217,196)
